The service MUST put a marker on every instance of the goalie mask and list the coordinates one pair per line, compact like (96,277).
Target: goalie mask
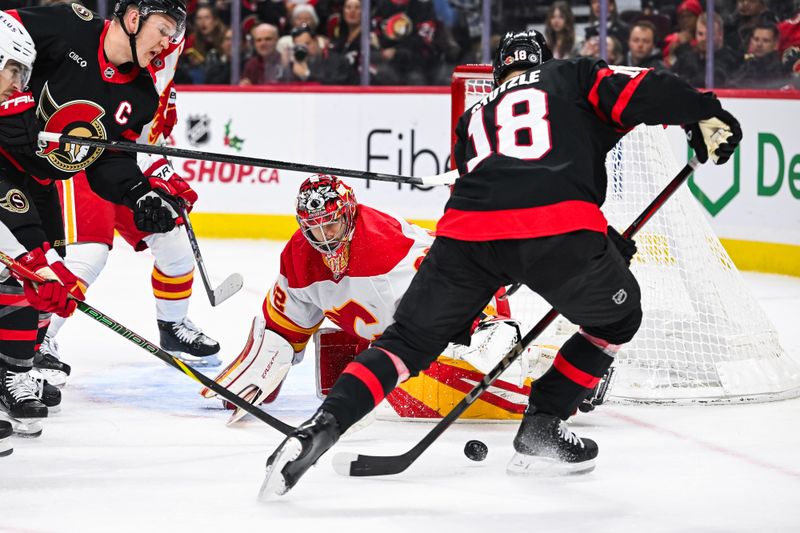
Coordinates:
(326,213)
(519,50)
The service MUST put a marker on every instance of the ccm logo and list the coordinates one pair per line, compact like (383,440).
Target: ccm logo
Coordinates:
(78,59)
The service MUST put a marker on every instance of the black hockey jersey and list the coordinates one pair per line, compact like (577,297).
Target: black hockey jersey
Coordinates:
(78,92)
(531,154)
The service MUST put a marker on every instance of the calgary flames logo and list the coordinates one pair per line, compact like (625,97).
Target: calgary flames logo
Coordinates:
(79,118)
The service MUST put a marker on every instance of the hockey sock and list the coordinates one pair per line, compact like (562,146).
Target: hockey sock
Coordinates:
(363,384)
(576,370)
(44,325)
(17,329)
(172,294)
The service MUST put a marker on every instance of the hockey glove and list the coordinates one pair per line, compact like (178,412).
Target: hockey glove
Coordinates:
(19,128)
(153,211)
(626,247)
(52,295)
(717,136)
(162,176)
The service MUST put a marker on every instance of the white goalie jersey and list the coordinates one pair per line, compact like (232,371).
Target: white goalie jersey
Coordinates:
(383,256)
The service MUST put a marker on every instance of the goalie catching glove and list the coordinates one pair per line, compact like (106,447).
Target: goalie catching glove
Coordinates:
(259,369)
(717,137)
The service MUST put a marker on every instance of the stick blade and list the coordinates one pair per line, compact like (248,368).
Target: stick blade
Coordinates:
(356,465)
(227,288)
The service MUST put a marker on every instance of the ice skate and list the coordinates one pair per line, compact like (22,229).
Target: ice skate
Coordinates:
(6,430)
(188,343)
(47,362)
(49,395)
(19,404)
(297,453)
(545,446)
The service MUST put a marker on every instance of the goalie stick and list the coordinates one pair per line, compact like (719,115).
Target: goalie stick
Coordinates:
(148,346)
(349,464)
(230,286)
(440,179)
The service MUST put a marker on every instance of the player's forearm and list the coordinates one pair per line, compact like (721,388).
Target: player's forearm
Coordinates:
(113,175)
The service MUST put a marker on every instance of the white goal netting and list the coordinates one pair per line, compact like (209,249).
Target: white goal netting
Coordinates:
(704,337)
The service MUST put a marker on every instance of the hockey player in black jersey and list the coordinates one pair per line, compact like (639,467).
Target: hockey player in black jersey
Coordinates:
(526,209)
(89,79)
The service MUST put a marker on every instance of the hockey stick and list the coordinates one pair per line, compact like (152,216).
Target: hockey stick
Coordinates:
(440,179)
(138,340)
(228,287)
(350,464)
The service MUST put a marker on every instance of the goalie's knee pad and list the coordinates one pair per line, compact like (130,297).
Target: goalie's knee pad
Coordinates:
(618,332)
(259,369)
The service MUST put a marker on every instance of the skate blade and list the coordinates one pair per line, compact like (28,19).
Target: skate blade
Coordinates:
(5,449)
(527,465)
(205,361)
(30,429)
(274,483)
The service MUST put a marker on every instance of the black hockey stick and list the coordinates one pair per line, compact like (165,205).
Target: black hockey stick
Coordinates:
(230,286)
(148,346)
(349,464)
(440,179)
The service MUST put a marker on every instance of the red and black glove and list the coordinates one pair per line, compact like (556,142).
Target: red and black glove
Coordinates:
(162,176)
(52,295)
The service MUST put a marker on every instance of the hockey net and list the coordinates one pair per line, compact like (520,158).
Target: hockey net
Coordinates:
(704,338)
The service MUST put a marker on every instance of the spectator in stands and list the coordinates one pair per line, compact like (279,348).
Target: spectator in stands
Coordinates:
(686,13)
(690,60)
(265,66)
(344,60)
(748,14)
(614,27)
(406,30)
(219,72)
(642,51)
(591,48)
(204,44)
(306,63)
(302,15)
(559,30)
(762,67)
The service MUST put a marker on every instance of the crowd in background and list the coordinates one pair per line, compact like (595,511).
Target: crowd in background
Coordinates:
(419,42)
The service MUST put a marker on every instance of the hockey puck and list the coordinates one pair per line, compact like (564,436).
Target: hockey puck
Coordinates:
(475,450)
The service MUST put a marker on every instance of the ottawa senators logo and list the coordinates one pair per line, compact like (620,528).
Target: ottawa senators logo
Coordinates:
(79,118)
(14,201)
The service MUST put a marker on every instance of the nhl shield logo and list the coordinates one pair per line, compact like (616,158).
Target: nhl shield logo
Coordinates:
(199,129)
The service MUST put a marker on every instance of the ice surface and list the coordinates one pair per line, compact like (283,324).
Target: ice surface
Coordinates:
(135,448)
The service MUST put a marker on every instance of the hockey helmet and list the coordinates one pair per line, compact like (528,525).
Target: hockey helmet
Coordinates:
(174,9)
(519,50)
(16,45)
(326,211)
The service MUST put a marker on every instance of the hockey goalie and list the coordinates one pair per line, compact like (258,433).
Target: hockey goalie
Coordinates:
(351,263)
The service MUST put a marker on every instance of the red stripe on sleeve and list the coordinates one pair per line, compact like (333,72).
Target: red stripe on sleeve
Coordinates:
(574,373)
(625,97)
(594,97)
(369,379)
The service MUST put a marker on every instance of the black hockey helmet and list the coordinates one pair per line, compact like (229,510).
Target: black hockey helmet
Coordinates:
(175,9)
(519,50)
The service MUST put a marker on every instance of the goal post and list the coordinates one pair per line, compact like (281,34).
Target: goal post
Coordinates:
(704,338)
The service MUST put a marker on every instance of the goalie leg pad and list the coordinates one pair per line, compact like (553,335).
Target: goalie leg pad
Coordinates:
(259,369)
